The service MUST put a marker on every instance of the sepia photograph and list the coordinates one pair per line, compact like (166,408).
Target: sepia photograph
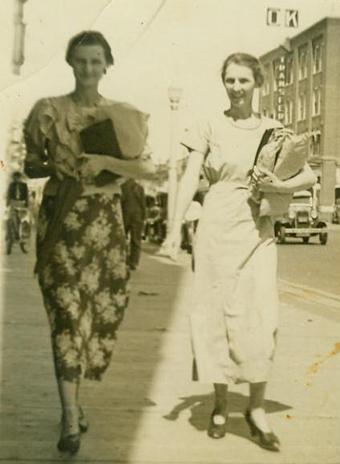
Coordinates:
(170,231)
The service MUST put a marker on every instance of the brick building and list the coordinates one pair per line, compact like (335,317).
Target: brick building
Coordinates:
(302,89)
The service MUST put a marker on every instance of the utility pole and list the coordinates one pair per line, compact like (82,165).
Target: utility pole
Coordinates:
(174,94)
(19,36)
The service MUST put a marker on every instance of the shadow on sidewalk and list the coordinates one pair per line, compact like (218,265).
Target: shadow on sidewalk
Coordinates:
(200,407)
(116,406)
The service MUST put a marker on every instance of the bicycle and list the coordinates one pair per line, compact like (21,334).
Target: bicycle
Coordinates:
(18,227)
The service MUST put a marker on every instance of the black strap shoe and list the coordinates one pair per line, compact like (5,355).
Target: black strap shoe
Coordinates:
(69,443)
(217,426)
(267,440)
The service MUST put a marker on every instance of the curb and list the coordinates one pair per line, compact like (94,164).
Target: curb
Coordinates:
(310,294)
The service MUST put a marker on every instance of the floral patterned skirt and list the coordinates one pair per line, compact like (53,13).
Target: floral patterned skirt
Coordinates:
(84,284)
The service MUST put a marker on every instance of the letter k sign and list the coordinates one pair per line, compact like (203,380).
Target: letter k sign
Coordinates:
(292,18)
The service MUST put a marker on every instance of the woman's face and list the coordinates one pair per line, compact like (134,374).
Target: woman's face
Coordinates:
(240,83)
(89,64)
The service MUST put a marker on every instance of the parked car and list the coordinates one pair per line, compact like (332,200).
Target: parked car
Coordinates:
(336,212)
(302,220)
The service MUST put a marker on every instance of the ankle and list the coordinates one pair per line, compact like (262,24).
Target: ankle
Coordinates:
(220,409)
(256,410)
(71,410)
(70,419)
(258,415)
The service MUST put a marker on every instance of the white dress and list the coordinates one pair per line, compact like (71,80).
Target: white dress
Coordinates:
(234,315)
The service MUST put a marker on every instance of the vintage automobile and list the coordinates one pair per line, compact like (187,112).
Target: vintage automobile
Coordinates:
(302,220)
(336,212)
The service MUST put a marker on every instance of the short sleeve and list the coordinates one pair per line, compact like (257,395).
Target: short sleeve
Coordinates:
(197,137)
(146,153)
(273,123)
(37,130)
(38,126)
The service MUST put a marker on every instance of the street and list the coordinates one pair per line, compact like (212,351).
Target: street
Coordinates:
(312,265)
(147,410)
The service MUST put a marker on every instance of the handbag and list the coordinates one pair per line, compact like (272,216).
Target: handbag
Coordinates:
(120,130)
(101,139)
(284,157)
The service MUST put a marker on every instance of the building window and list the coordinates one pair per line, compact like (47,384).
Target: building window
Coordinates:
(317,56)
(276,65)
(316,143)
(289,70)
(302,62)
(302,107)
(288,111)
(316,101)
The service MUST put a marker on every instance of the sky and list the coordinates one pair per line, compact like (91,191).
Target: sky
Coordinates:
(184,45)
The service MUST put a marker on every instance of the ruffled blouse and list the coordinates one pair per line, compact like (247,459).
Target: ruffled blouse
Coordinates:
(52,139)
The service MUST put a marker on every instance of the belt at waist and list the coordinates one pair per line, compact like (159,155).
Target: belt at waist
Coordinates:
(53,184)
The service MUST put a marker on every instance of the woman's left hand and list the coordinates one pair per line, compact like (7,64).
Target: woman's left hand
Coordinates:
(268,182)
(92,165)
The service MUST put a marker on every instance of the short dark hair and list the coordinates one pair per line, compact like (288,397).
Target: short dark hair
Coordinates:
(89,38)
(244,59)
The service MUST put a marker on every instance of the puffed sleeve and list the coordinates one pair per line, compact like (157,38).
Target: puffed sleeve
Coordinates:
(147,151)
(197,137)
(38,129)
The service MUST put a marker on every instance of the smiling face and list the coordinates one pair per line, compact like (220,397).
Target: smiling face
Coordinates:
(240,83)
(89,64)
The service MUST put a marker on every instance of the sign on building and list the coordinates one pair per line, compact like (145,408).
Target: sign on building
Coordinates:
(273,17)
(292,18)
(280,89)
(278,17)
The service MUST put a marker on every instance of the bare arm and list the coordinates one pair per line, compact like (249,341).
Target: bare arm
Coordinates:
(302,181)
(134,168)
(187,189)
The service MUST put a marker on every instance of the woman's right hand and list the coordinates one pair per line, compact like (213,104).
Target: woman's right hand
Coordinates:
(92,165)
(171,245)
(61,170)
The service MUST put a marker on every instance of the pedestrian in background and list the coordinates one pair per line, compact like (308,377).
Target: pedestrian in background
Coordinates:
(17,192)
(234,315)
(18,224)
(134,209)
(81,265)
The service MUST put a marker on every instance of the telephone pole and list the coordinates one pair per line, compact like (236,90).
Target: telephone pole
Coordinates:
(19,36)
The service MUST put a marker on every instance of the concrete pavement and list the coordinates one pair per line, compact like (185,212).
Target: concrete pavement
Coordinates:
(147,410)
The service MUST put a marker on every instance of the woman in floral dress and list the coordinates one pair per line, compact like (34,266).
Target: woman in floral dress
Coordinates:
(81,262)
(235,310)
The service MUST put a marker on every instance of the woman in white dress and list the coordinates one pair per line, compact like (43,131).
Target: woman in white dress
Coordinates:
(235,313)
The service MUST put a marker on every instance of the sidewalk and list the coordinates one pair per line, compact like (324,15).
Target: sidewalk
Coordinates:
(147,410)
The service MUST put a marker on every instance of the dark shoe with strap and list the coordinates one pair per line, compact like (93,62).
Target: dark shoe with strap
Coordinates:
(69,443)
(217,426)
(267,440)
